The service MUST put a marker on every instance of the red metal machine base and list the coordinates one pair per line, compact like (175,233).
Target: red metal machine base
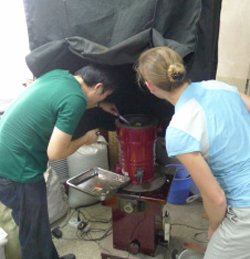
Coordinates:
(134,217)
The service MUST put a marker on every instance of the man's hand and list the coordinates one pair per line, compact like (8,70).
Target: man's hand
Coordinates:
(91,136)
(110,108)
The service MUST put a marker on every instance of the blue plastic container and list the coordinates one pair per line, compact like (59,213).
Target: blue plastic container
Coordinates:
(179,190)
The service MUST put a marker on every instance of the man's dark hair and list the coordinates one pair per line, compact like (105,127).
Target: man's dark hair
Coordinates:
(93,74)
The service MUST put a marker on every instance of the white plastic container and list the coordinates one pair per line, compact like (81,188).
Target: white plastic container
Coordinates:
(3,242)
(189,254)
(85,158)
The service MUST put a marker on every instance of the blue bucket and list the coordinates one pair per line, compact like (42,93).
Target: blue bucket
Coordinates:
(179,190)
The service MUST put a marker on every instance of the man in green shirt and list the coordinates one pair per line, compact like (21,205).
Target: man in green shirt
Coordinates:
(37,127)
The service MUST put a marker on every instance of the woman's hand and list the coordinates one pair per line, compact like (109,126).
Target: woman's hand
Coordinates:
(110,108)
(210,232)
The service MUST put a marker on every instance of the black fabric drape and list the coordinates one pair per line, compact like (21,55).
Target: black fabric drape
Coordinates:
(109,25)
(68,34)
(72,53)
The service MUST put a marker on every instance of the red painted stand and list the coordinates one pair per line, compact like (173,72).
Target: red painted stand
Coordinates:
(134,216)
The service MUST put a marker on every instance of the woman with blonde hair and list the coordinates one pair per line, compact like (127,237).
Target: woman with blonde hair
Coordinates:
(209,134)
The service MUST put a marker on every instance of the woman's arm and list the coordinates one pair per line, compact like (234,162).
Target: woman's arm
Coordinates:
(246,100)
(214,200)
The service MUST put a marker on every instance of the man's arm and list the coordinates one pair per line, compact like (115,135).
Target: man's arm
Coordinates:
(214,200)
(109,107)
(61,144)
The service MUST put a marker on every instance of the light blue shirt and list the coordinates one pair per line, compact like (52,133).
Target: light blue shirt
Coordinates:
(211,117)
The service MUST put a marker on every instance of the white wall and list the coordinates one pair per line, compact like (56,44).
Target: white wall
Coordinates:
(13,49)
(234,43)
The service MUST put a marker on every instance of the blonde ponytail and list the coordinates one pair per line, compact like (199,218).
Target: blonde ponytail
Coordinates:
(176,73)
(162,67)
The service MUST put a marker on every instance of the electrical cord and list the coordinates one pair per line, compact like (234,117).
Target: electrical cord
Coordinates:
(88,236)
(56,232)
(185,225)
(136,227)
(93,233)
(203,231)
(198,234)
(69,216)
(93,218)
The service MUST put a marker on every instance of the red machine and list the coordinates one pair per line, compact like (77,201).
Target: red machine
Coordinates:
(137,209)
(137,148)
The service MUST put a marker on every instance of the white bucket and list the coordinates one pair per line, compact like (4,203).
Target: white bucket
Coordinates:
(189,254)
(85,158)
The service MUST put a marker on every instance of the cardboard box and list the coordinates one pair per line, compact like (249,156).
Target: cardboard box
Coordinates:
(113,150)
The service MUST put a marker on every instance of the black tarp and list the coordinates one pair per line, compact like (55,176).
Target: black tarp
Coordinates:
(71,33)
(71,53)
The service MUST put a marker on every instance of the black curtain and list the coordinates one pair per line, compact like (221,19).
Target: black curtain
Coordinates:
(69,34)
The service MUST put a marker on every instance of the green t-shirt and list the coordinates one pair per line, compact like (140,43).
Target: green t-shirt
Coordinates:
(54,99)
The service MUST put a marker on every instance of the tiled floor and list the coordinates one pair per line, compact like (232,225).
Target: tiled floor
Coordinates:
(186,221)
